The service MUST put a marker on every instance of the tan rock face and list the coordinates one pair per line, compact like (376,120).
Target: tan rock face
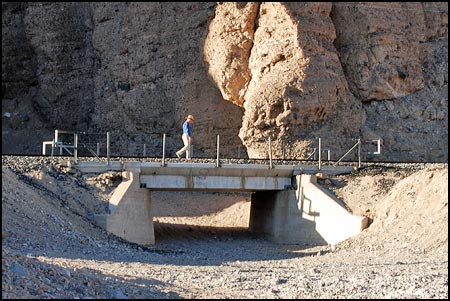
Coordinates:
(296,77)
(381,59)
(227,48)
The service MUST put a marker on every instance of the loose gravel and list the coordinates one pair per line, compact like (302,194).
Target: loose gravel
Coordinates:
(53,249)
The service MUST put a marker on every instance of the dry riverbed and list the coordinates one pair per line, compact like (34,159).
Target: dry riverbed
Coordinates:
(203,248)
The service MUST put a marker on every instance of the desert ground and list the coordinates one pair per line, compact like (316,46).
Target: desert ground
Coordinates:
(52,249)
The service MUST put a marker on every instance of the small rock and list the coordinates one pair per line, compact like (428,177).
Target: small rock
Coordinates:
(118,294)
(19,270)
(321,176)
(24,117)
(275,290)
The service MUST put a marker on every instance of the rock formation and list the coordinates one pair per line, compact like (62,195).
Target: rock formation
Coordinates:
(291,72)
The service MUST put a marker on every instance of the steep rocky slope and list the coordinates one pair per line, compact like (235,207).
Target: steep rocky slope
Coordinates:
(291,72)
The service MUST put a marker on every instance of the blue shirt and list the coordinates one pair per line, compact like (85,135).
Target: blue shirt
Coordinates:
(187,128)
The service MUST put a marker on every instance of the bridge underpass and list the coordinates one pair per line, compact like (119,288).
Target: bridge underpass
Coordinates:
(188,216)
(287,204)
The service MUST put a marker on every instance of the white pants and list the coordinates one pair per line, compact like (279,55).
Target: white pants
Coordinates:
(186,147)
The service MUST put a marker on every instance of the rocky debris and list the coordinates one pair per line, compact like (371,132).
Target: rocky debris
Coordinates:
(53,251)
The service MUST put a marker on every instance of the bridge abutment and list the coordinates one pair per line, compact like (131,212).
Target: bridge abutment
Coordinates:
(131,215)
(276,215)
(309,214)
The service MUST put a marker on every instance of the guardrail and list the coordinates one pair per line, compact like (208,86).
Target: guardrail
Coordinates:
(63,144)
(73,146)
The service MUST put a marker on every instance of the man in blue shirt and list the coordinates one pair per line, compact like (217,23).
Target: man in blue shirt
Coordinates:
(187,138)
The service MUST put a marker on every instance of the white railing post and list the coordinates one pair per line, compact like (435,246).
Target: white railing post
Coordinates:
(107,148)
(320,153)
(270,153)
(218,162)
(359,153)
(75,151)
(163,163)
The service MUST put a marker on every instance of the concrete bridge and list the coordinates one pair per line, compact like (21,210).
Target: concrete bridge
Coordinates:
(287,204)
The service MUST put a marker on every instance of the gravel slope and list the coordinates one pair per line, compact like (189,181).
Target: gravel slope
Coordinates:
(53,250)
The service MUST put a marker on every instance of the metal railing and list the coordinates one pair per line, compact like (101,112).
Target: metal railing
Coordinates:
(65,145)
(57,142)
(358,144)
(90,144)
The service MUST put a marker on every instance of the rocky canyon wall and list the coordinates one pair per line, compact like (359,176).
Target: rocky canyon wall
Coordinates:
(291,72)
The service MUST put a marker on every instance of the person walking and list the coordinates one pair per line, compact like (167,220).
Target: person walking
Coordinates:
(186,137)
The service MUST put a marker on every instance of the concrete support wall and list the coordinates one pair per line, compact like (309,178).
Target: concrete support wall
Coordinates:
(333,221)
(131,215)
(309,214)
(275,215)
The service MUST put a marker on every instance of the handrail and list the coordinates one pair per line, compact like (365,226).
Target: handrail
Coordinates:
(357,144)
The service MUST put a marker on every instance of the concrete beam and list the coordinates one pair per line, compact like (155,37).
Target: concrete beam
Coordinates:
(214,183)
(210,169)
(207,169)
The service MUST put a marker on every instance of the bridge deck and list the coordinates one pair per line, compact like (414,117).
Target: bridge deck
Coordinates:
(207,176)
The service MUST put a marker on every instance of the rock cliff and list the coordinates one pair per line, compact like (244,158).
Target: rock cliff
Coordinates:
(291,72)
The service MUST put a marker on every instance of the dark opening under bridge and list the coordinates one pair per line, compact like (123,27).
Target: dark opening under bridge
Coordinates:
(287,204)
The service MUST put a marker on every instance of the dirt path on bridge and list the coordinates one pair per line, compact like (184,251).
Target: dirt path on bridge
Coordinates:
(204,250)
